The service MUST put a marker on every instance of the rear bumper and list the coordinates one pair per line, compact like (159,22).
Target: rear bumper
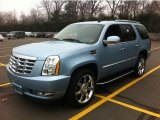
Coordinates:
(55,86)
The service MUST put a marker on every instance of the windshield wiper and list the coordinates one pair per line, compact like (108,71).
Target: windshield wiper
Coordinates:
(72,40)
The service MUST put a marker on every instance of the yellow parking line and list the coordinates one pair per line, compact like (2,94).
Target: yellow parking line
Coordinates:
(2,64)
(99,96)
(94,106)
(130,106)
(135,108)
(155,48)
(5,84)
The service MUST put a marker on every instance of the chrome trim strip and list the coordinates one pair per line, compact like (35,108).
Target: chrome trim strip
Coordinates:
(126,42)
(115,78)
(118,62)
(23,56)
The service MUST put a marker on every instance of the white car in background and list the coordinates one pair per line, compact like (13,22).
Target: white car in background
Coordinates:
(28,34)
(1,38)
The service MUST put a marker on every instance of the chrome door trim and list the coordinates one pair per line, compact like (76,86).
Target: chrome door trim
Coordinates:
(105,66)
(126,42)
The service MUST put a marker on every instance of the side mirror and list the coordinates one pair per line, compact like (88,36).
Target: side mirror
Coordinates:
(112,40)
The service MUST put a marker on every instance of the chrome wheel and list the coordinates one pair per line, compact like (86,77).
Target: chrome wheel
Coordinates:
(84,89)
(141,66)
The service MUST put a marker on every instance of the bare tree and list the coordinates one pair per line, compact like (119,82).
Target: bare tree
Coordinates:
(82,10)
(48,6)
(36,15)
(143,4)
(113,5)
(153,7)
(71,10)
(53,8)
(89,9)
(135,8)
(10,18)
(94,7)
(2,19)
(128,5)
(129,9)
(58,4)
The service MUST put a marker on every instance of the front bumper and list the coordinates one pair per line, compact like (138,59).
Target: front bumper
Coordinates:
(55,86)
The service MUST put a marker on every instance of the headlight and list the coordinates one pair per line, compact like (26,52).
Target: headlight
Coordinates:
(51,66)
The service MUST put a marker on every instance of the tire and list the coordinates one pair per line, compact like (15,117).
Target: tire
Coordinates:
(81,88)
(140,66)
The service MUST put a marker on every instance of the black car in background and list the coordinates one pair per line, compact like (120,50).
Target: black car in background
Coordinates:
(40,35)
(16,35)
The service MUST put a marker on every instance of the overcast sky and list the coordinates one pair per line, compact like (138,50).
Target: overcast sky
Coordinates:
(18,5)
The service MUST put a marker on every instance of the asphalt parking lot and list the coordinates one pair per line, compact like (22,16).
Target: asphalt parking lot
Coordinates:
(125,99)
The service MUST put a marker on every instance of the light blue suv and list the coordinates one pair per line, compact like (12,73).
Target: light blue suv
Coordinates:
(72,63)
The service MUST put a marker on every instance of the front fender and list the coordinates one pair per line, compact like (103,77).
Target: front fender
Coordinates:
(70,63)
(78,65)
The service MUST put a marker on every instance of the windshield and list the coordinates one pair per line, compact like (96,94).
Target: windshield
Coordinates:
(83,33)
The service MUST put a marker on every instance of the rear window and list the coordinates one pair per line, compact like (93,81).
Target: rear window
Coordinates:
(142,32)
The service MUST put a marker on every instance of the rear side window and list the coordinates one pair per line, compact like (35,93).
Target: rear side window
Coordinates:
(142,32)
(128,33)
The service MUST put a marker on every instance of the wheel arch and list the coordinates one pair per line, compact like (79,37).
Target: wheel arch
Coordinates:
(144,53)
(91,66)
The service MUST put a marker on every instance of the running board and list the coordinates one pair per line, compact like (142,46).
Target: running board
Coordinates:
(102,83)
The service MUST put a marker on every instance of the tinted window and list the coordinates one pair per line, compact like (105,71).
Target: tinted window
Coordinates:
(128,33)
(113,30)
(142,32)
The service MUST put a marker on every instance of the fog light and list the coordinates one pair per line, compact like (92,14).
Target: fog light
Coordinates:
(45,94)
(48,94)
(40,93)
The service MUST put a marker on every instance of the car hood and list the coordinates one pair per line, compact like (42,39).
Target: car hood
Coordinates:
(42,50)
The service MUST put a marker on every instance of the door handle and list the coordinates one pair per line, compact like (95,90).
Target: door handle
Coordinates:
(122,49)
(137,45)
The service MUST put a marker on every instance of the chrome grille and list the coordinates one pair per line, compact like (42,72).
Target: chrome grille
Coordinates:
(21,64)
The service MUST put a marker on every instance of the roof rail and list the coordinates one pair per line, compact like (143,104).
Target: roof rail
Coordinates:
(121,20)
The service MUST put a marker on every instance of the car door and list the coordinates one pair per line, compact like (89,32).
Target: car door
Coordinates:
(129,41)
(112,56)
